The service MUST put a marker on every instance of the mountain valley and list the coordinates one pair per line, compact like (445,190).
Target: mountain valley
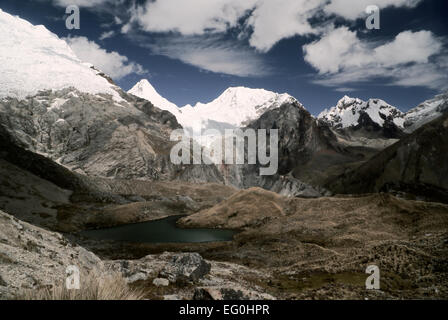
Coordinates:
(362,183)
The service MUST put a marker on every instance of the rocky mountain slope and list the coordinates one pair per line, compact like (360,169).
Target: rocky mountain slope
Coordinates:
(31,257)
(37,190)
(318,152)
(417,164)
(304,141)
(238,107)
(105,132)
(92,134)
(310,152)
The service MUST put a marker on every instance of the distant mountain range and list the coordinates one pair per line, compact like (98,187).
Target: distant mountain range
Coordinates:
(238,106)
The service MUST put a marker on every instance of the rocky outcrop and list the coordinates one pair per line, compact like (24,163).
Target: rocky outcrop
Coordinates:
(186,266)
(299,134)
(178,276)
(33,258)
(178,268)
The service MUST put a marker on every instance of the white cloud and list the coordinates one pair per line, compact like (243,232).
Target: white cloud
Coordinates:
(356,9)
(118,21)
(213,54)
(272,21)
(269,21)
(126,28)
(432,75)
(79,3)
(410,59)
(408,47)
(107,35)
(345,90)
(348,51)
(133,12)
(111,63)
(339,55)
(336,49)
(193,17)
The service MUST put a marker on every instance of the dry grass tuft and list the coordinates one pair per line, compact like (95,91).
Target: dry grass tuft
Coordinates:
(93,287)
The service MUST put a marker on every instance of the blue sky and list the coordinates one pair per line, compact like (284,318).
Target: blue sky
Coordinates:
(315,50)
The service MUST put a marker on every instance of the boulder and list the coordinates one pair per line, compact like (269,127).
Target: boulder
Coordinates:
(161,282)
(185,266)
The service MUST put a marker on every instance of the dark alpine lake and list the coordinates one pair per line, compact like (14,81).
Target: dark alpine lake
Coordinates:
(159,231)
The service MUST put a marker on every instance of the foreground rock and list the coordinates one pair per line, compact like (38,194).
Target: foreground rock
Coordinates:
(33,258)
(174,267)
(186,266)
(177,276)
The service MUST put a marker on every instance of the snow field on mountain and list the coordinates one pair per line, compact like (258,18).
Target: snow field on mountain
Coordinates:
(34,59)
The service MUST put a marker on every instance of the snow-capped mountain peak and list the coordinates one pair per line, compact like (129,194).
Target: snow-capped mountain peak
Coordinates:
(347,101)
(236,106)
(250,99)
(426,112)
(145,90)
(347,112)
(33,59)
